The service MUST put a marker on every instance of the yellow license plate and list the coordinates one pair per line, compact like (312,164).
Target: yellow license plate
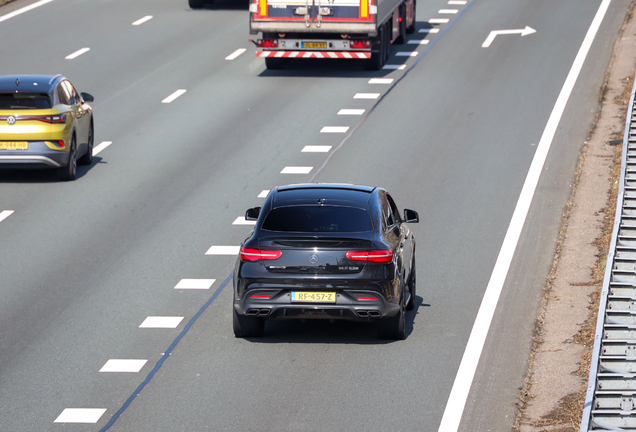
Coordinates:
(314,44)
(14,145)
(313,297)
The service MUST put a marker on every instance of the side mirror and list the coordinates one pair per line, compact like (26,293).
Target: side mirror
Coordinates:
(87,97)
(411,216)
(252,214)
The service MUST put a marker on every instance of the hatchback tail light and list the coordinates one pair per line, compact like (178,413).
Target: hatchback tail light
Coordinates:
(57,118)
(374,256)
(250,254)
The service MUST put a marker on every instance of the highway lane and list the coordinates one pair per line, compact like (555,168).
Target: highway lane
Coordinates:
(177,175)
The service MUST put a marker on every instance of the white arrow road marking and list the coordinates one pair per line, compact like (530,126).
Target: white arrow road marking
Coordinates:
(493,34)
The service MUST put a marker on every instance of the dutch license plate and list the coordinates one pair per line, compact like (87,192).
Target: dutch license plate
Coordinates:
(313,297)
(14,145)
(314,44)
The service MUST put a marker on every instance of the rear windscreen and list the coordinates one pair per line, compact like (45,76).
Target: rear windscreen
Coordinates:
(312,219)
(10,101)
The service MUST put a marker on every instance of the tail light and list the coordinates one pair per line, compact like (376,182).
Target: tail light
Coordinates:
(374,256)
(360,297)
(360,44)
(250,254)
(267,43)
(57,118)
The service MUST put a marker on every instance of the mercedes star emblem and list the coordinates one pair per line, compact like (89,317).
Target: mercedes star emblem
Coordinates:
(11,120)
(313,258)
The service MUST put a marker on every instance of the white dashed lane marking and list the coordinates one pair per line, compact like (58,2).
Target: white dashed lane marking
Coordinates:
(429,30)
(121,365)
(406,54)
(263,193)
(394,67)
(457,2)
(448,11)
(235,54)
(161,322)
(142,20)
(380,80)
(366,95)
(241,221)
(316,149)
(77,53)
(439,20)
(195,284)
(297,170)
(174,95)
(334,129)
(418,42)
(101,146)
(223,250)
(80,415)
(351,112)
(5,214)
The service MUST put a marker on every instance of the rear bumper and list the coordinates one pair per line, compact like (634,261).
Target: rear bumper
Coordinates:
(316,54)
(39,155)
(347,307)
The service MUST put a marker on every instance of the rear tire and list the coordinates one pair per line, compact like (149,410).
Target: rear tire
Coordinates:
(196,4)
(378,58)
(412,288)
(394,327)
(87,158)
(402,30)
(411,29)
(274,63)
(245,326)
(69,172)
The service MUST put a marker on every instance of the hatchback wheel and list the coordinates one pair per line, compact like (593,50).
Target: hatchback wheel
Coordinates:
(69,171)
(87,158)
(411,304)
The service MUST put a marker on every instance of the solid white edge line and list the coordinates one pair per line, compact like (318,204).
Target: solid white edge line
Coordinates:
(23,10)
(235,54)
(77,53)
(5,214)
(453,412)
(173,96)
(142,20)
(101,146)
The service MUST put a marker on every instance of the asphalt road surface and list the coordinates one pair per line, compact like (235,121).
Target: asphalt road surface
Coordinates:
(85,263)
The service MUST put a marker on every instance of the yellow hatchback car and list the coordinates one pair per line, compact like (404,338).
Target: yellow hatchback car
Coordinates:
(44,123)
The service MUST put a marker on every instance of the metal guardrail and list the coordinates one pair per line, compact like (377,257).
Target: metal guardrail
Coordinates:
(610,401)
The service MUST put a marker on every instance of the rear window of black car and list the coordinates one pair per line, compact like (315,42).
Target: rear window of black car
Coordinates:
(10,101)
(314,218)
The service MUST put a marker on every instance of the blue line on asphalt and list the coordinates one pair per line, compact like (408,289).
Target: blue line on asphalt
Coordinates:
(166,355)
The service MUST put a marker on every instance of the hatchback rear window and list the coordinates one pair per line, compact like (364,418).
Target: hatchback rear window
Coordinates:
(9,101)
(312,219)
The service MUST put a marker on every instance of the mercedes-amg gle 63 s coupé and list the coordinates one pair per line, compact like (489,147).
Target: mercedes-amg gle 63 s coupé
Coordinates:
(329,251)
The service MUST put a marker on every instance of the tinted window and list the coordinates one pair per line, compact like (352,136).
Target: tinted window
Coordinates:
(318,219)
(61,94)
(24,101)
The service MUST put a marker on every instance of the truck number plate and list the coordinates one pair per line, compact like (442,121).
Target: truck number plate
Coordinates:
(314,44)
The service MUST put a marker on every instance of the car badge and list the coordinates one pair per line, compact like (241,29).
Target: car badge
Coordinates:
(313,258)
(11,120)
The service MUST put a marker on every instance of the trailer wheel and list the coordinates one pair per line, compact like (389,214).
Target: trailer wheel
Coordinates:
(196,4)
(388,31)
(411,29)
(402,30)
(378,56)
(273,63)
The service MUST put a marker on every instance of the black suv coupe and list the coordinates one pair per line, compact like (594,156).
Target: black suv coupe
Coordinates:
(326,251)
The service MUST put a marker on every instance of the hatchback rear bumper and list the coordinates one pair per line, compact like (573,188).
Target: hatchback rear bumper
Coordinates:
(39,155)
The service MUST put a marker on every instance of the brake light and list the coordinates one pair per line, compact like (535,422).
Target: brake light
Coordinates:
(250,254)
(374,256)
(366,298)
(267,43)
(58,118)
(61,143)
(360,44)
(260,296)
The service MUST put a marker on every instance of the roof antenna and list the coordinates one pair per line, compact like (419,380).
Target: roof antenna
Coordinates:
(321,201)
(17,81)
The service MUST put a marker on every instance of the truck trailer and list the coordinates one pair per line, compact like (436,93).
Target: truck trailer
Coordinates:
(329,29)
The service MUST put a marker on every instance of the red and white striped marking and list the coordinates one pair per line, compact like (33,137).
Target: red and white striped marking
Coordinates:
(314,54)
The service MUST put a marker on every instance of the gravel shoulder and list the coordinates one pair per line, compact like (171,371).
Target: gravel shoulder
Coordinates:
(554,390)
